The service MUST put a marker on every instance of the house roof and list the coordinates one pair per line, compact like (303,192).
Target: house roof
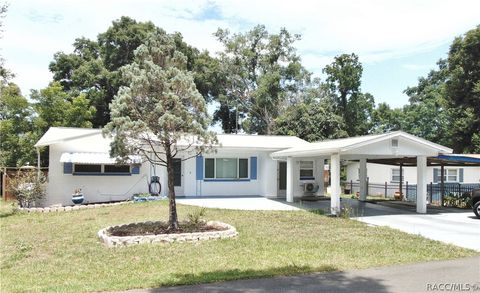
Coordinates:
(59,134)
(273,142)
(348,144)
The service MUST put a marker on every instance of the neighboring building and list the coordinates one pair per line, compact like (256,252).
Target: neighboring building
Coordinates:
(242,166)
(379,174)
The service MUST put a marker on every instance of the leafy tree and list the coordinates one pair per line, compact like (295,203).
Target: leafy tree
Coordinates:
(261,71)
(462,91)
(386,119)
(160,113)
(344,80)
(16,130)
(5,74)
(54,107)
(425,115)
(94,66)
(311,117)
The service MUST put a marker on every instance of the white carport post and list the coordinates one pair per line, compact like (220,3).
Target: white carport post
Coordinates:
(421,184)
(363,179)
(335,173)
(289,179)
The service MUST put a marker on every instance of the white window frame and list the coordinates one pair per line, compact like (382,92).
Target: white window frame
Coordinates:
(215,168)
(447,170)
(300,168)
(391,175)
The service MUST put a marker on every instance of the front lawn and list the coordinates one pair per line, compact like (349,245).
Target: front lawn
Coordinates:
(60,251)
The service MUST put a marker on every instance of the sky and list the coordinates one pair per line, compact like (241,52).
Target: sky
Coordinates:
(396,41)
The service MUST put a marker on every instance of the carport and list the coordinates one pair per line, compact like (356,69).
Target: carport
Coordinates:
(396,145)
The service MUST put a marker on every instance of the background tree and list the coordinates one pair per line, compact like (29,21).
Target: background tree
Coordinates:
(94,66)
(160,113)
(425,115)
(462,91)
(54,107)
(17,135)
(344,80)
(312,117)
(261,70)
(386,119)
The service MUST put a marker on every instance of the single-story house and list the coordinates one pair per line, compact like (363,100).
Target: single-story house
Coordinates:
(242,165)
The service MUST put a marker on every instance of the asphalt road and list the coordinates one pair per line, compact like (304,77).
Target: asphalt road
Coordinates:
(460,275)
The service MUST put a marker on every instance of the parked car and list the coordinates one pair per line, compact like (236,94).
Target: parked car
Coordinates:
(476,202)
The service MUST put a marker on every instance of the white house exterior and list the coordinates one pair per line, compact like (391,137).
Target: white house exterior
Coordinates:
(241,166)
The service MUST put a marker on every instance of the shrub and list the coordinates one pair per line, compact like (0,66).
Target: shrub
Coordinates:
(27,187)
(196,216)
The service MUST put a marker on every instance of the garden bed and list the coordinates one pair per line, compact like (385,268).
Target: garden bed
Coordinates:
(158,232)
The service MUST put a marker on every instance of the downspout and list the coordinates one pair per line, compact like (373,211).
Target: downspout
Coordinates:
(38,163)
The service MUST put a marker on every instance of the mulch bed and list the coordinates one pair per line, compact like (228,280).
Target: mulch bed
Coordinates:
(156,228)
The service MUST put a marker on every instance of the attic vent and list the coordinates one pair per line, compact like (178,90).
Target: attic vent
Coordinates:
(394,143)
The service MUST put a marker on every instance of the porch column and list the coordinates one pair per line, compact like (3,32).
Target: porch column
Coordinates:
(290,179)
(421,184)
(38,163)
(320,169)
(442,184)
(363,179)
(335,173)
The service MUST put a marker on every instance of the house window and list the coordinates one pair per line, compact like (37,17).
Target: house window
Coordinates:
(117,169)
(451,175)
(306,169)
(99,169)
(226,168)
(396,175)
(87,168)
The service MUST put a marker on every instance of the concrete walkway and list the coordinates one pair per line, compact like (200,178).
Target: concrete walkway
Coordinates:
(439,276)
(238,203)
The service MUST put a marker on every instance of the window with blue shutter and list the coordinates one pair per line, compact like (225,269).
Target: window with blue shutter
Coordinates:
(253,168)
(199,167)
(136,169)
(461,175)
(67,168)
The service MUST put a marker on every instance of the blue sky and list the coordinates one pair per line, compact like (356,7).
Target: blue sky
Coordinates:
(397,41)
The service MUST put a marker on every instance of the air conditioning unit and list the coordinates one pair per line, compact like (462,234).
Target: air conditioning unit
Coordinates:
(310,187)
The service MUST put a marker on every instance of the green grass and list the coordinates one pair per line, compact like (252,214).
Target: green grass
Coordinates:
(60,251)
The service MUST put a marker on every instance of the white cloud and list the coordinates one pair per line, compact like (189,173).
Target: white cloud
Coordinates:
(416,67)
(376,30)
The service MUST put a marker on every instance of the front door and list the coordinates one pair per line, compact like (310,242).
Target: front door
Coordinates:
(282,179)
(178,176)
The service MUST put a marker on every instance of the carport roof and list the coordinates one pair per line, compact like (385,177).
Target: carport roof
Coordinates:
(333,146)
(445,160)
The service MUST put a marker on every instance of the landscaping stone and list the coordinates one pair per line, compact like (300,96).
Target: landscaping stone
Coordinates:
(116,241)
(57,208)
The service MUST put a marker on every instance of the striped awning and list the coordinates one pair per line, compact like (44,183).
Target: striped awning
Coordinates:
(95,158)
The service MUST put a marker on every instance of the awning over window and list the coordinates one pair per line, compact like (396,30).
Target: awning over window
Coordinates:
(94,158)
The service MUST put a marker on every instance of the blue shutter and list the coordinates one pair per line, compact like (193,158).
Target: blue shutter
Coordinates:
(461,175)
(436,175)
(136,169)
(199,167)
(253,168)
(67,168)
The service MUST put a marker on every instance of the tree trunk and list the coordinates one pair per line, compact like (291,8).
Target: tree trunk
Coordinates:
(172,219)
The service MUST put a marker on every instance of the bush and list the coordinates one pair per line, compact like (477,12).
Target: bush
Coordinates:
(196,216)
(27,187)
